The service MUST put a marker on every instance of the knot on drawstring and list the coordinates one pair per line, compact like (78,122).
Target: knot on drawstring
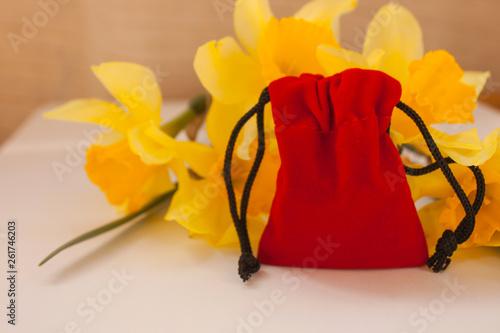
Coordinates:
(248,265)
(445,247)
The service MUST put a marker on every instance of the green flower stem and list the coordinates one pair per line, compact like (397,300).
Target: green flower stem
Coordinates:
(197,106)
(109,226)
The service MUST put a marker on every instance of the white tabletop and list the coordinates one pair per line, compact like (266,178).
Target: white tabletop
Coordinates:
(176,284)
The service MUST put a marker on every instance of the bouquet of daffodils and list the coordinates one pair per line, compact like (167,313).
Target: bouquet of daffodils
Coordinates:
(134,163)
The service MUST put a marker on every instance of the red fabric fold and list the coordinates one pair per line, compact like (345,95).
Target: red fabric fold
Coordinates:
(342,199)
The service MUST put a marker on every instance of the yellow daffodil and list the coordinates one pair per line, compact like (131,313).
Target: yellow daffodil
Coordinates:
(133,169)
(432,84)
(272,48)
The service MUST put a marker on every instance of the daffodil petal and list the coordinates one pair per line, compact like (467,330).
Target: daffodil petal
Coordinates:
(395,30)
(198,211)
(288,47)
(92,111)
(335,60)
(250,19)
(264,186)
(152,145)
(374,58)
(326,12)
(468,139)
(465,147)
(494,162)
(227,72)
(134,86)
(255,227)
(182,206)
(396,137)
(435,85)
(435,91)
(199,157)
(156,147)
(180,170)
(487,224)
(109,138)
(221,120)
(476,79)
(250,134)
(203,209)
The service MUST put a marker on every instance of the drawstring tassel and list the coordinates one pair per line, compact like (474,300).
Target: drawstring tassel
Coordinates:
(445,247)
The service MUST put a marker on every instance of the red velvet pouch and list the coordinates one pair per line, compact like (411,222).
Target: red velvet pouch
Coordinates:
(337,204)
(342,199)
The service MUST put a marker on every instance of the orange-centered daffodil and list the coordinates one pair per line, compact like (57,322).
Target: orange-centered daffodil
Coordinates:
(132,169)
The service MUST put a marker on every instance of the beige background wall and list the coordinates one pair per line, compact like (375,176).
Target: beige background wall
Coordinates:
(52,63)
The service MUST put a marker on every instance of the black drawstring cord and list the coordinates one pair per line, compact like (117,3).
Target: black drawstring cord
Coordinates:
(426,169)
(247,264)
(478,174)
(448,242)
